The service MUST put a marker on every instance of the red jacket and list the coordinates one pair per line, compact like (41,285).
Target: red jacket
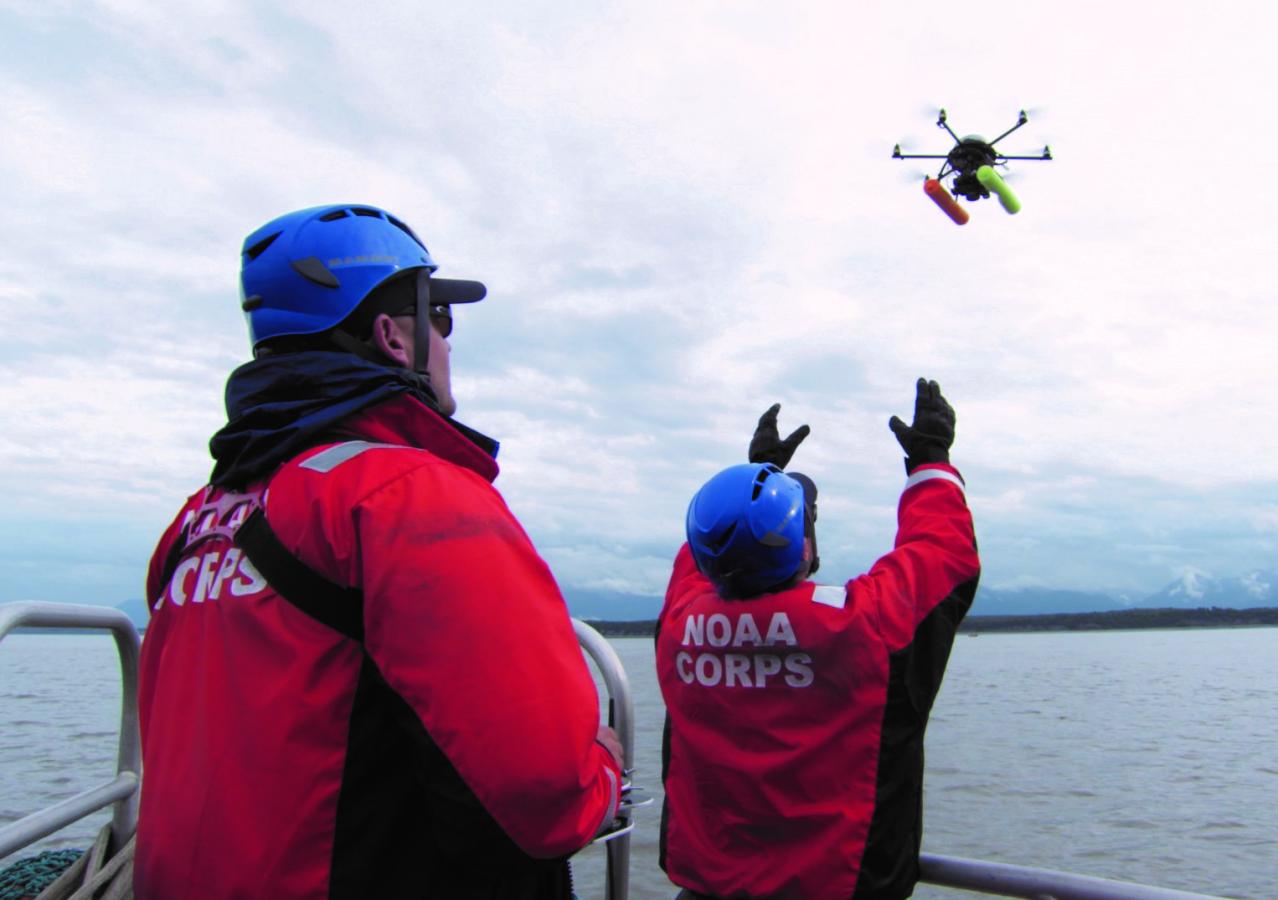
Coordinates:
(284,760)
(795,722)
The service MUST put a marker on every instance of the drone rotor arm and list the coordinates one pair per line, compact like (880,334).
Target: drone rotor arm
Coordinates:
(943,124)
(1020,120)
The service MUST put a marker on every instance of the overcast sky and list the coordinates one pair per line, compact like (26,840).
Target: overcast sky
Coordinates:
(684,212)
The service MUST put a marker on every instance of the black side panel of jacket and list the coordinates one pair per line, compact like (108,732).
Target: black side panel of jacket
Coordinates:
(665,770)
(408,826)
(890,865)
(665,803)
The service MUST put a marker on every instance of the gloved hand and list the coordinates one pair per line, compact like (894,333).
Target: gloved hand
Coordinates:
(767,447)
(928,439)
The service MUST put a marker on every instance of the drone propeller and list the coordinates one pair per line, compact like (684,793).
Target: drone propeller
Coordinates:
(911,143)
(914,176)
(927,110)
(1033,113)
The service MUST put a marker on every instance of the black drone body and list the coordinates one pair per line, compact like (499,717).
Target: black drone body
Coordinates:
(971,162)
(968,155)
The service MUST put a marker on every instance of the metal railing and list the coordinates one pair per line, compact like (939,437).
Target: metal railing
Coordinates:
(621,716)
(1036,884)
(122,791)
(984,877)
(943,871)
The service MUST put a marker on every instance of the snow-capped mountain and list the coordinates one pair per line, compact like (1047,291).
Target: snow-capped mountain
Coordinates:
(1196,588)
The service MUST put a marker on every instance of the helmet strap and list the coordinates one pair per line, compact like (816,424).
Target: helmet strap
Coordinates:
(809,515)
(351,344)
(422,325)
(809,526)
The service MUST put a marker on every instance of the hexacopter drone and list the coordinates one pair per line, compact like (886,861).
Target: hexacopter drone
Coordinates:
(971,162)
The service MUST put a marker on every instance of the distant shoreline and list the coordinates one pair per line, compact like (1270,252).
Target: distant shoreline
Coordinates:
(1117,620)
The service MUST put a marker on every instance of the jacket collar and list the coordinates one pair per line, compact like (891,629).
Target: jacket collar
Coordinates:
(407,421)
(279,406)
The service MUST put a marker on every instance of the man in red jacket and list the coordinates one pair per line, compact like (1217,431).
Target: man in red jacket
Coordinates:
(359,678)
(793,754)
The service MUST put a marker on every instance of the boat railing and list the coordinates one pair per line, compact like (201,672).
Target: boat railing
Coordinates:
(122,790)
(981,876)
(991,878)
(621,716)
(1005,880)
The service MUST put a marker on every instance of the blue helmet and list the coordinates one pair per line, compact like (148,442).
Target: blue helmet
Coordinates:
(306,271)
(745,528)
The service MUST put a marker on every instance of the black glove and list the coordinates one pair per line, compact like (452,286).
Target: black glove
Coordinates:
(767,447)
(929,438)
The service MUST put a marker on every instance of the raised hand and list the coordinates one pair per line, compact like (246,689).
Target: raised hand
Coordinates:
(928,438)
(767,446)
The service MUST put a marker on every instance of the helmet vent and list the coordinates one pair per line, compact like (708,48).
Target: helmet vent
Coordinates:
(758,483)
(259,248)
(714,545)
(333,216)
(404,228)
(370,213)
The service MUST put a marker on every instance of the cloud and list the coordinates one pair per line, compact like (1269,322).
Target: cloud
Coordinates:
(684,214)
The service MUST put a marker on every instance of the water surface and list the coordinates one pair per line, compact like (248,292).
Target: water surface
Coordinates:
(1149,756)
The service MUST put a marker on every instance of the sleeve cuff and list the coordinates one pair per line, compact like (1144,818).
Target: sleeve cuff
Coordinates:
(922,475)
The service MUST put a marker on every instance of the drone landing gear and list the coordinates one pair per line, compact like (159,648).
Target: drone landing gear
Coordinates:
(994,182)
(941,197)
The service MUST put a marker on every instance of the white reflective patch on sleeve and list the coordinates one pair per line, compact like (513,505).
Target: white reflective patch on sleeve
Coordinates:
(830,595)
(333,457)
(928,474)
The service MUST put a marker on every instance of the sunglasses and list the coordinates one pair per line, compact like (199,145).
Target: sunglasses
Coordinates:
(442,317)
